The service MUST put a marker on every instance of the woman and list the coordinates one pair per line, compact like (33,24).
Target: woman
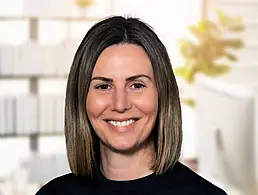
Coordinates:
(123,117)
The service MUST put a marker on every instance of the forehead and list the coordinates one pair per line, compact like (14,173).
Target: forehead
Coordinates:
(125,59)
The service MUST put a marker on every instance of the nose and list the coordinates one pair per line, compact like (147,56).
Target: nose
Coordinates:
(121,101)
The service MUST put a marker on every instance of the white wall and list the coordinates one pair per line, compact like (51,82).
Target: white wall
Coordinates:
(169,19)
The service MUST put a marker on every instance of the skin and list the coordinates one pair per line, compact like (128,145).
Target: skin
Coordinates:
(123,88)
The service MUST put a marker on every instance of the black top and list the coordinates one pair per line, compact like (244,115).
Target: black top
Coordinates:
(178,181)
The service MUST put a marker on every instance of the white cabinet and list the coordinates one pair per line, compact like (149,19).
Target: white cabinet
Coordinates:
(227,128)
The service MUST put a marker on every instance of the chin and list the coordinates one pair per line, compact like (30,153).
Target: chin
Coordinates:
(124,148)
(120,148)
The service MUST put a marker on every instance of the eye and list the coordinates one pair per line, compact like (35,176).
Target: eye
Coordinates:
(103,87)
(138,86)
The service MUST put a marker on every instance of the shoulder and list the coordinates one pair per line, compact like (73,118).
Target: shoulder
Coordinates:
(62,185)
(187,181)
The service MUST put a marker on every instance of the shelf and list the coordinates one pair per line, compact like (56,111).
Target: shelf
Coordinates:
(57,18)
(5,76)
(34,79)
(239,2)
(32,135)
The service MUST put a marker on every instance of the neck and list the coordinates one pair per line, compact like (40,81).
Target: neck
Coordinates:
(121,167)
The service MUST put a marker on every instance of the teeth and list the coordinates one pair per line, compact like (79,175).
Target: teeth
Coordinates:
(121,124)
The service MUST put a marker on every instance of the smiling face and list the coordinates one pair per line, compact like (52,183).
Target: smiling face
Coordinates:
(122,101)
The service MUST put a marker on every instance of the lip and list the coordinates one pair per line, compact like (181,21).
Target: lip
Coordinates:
(121,119)
(121,129)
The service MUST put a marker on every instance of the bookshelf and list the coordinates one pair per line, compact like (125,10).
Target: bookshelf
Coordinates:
(33,79)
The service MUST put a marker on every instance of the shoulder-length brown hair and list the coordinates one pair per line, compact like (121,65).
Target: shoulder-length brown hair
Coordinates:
(81,141)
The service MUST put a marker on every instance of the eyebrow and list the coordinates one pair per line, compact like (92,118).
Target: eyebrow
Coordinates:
(127,79)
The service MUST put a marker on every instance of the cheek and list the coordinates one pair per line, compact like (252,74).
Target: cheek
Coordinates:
(148,103)
(95,104)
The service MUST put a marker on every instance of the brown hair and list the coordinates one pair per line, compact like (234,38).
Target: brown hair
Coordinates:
(81,141)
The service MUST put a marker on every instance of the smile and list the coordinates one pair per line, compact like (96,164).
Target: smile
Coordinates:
(122,123)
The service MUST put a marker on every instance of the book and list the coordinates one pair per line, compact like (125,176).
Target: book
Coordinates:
(66,54)
(29,59)
(8,115)
(59,113)
(2,117)
(48,59)
(20,109)
(7,56)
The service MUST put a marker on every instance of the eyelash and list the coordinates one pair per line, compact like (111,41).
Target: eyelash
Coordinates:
(100,87)
(141,85)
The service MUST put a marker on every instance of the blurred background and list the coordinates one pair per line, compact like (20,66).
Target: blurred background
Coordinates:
(213,47)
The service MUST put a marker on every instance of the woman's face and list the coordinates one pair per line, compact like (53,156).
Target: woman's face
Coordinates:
(122,102)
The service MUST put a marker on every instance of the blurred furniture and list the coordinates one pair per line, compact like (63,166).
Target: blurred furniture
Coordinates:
(227,125)
(35,114)
(33,107)
(42,169)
